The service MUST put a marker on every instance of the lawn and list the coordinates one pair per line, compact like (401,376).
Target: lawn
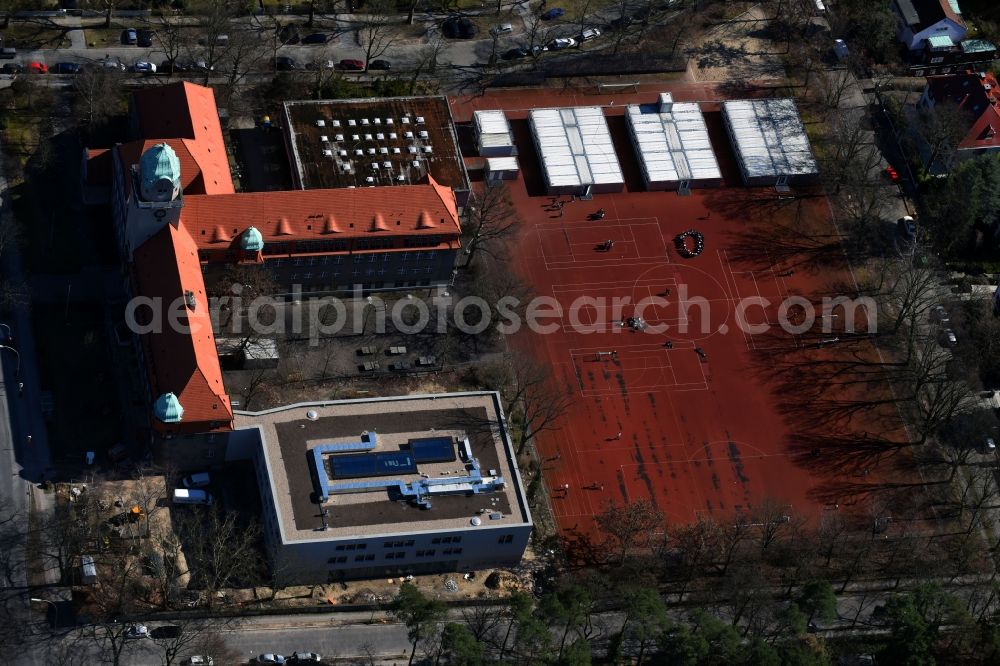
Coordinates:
(26,36)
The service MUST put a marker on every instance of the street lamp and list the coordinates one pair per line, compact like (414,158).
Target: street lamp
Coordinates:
(17,371)
(55,608)
(10,334)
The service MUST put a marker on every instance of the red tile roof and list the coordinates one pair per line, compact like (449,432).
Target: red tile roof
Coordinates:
(188,112)
(977,94)
(185,363)
(99,167)
(364,212)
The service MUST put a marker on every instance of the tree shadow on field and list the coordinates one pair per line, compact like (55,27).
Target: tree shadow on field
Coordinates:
(716,53)
(582,550)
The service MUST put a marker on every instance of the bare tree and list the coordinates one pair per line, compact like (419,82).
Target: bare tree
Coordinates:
(220,550)
(491,219)
(628,525)
(940,128)
(244,51)
(172,38)
(427,60)
(198,637)
(376,34)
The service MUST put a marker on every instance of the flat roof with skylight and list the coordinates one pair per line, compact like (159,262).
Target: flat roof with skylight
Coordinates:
(389,466)
(769,139)
(373,142)
(671,140)
(576,150)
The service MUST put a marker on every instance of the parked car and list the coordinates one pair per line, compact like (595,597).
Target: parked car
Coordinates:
(553,14)
(380,64)
(306,658)
(144,67)
(197,480)
(515,54)
(589,34)
(110,63)
(171,66)
(145,38)
(537,49)
(166,631)
(129,36)
(38,67)
(948,338)
(458,27)
(199,660)
(136,631)
(988,446)
(351,64)
(502,29)
(270,658)
(285,64)
(66,68)
(321,64)
(192,496)
(200,65)
(907,226)
(561,43)
(12,68)
(316,38)
(8,53)
(621,23)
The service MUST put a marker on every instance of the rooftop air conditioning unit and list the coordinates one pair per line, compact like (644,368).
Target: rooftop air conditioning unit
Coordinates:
(401,178)
(352,123)
(413,150)
(380,136)
(420,120)
(359,152)
(368,137)
(338,137)
(369,179)
(371,151)
(377,121)
(324,138)
(395,151)
(328,152)
(387,165)
(320,123)
(343,153)
(405,120)
(423,134)
(384,151)
(355,137)
(364,121)
(428,149)
(375,165)
(335,123)
(416,164)
(392,135)
(408,135)
(388,121)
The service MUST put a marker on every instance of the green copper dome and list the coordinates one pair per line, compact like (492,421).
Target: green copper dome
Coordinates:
(160,173)
(251,240)
(168,409)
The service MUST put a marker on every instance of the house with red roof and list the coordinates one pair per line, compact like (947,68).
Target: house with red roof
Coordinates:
(180,220)
(977,94)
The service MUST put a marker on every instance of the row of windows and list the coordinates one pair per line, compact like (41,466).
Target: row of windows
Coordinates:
(353,546)
(447,539)
(398,544)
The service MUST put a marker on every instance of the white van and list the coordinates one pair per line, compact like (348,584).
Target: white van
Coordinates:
(191,496)
(199,480)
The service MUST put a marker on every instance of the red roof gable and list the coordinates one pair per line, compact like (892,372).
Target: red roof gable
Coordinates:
(413,210)
(976,93)
(985,132)
(187,112)
(182,362)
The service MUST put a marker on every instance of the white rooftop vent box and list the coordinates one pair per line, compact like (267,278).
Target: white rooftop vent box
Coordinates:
(384,151)
(347,166)
(392,135)
(428,149)
(355,137)
(405,120)
(416,163)
(335,123)
(387,165)
(375,165)
(364,121)
(378,121)
(324,138)
(413,150)
(343,153)
(371,151)
(395,151)
(369,179)
(359,152)
(320,123)
(380,136)
(368,137)
(338,137)
(420,120)
(666,103)
(423,134)
(408,135)
(401,178)
(352,123)
(388,121)
(328,152)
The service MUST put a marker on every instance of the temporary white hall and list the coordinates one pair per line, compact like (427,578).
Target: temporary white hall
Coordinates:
(576,151)
(770,141)
(493,135)
(671,142)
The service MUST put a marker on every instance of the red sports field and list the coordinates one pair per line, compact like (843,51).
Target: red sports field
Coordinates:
(701,434)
